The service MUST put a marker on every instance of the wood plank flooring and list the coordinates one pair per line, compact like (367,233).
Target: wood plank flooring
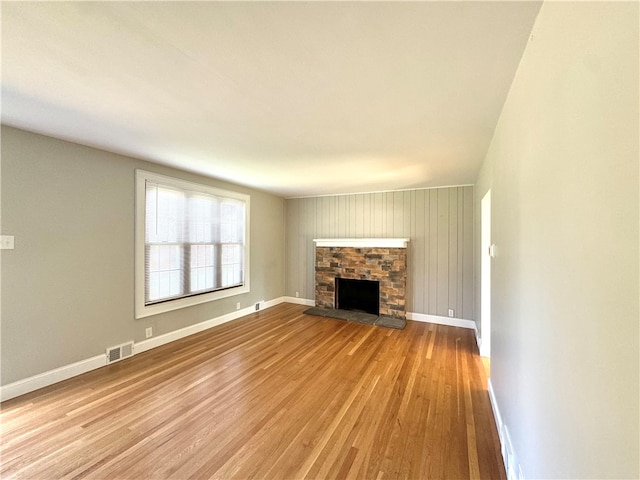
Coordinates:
(275,395)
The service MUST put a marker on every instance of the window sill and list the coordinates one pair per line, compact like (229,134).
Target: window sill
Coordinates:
(143,311)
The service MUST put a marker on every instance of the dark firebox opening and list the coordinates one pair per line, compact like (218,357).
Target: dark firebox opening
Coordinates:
(358,295)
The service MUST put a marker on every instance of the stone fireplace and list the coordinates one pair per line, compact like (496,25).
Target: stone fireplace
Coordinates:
(383,260)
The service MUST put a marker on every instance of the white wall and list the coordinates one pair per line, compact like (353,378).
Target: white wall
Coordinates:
(563,166)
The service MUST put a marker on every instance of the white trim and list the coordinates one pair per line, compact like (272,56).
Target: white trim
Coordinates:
(300,301)
(478,339)
(154,342)
(509,459)
(271,303)
(160,340)
(56,375)
(362,242)
(142,310)
(451,322)
(496,410)
(513,469)
(448,321)
(521,475)
(485,273)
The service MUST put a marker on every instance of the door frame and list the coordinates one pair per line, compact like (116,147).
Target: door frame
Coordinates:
(485,274)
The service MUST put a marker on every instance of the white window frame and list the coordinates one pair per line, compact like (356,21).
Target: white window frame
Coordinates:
(142,310)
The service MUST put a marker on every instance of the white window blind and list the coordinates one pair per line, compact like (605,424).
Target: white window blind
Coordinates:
(194,240)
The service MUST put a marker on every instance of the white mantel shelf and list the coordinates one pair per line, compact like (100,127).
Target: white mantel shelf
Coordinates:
(362,242)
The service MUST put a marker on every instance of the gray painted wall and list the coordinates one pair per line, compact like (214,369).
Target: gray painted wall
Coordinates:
(439,223)
(67,288)
(563,168)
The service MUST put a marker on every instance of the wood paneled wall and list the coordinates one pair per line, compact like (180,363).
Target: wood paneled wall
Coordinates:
(438,221)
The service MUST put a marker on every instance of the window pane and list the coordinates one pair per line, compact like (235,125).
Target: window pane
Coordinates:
(231,222)
(227,254)
(231,265)
(201,218)
(202,268)
(153,287)
(201,255)
(201,279)
(164,284)
(227,276)
(164,271)
(151,213)
(164,257)
(226,233)
(164,214)
(231,275)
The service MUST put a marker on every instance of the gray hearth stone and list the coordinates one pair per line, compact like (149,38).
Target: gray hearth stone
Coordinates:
(391,322)
(358,317)
(322,312)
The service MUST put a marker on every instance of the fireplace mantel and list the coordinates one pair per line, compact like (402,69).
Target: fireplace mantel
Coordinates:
(362,242)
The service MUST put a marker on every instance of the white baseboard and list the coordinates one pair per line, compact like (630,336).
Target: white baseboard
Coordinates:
(56,375)
(160,340)
(45,379)
(418,317)
(511,466)
(300,301)
(494,406)
(449,321)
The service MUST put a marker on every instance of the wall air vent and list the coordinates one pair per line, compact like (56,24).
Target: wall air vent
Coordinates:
(119,352)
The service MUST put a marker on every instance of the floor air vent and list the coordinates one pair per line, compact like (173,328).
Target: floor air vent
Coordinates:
(119,352)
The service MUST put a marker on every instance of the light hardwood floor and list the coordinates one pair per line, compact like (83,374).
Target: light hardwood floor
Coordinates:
(275,395)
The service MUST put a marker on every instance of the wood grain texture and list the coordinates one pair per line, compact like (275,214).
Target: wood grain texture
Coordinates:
(277,394)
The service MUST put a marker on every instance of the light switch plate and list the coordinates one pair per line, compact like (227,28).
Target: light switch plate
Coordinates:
(6,242)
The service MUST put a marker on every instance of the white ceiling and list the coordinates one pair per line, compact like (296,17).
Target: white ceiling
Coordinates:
(293,98)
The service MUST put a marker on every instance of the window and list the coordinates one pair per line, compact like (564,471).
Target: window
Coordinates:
(191,243)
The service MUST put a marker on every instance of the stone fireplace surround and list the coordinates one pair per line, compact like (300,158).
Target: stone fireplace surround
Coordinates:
(380,259)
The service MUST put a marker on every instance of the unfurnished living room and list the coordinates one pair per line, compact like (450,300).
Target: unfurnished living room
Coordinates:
(320,240)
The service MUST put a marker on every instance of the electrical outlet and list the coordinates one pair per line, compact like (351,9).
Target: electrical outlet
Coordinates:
(238,306)
(451,312)
(297,294)
(148,332)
